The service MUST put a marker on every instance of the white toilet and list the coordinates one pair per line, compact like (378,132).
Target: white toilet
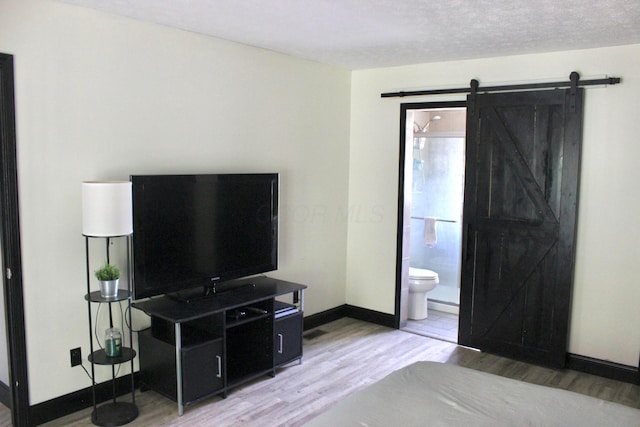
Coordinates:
(421,281)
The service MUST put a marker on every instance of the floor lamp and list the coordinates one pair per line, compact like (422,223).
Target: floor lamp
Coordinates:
(107,214)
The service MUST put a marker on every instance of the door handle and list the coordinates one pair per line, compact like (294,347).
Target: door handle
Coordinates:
(280,338)
(219,359)
(465,244)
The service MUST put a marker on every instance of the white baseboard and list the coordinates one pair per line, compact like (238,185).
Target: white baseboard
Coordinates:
(440,306)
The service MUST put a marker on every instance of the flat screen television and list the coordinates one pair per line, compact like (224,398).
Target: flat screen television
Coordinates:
(191,232)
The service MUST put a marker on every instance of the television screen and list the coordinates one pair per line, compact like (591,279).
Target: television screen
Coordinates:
(194,231)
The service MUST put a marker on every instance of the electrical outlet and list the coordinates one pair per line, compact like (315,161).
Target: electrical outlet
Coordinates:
(76,356)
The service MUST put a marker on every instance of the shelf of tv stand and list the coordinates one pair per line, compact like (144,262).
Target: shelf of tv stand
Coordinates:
(235,329)
(180,312)
(246,319)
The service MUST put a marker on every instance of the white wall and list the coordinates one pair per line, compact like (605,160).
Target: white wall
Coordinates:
(102,97)
(605,313)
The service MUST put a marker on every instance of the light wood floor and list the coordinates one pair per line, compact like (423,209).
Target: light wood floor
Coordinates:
(346,356)
(440,325)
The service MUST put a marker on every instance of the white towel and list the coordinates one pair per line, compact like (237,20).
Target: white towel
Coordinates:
(430,237)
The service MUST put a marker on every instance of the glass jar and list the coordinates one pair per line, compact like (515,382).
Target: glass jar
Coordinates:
(112,342)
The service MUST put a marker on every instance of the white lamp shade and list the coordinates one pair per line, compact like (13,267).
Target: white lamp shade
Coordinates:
(106,208)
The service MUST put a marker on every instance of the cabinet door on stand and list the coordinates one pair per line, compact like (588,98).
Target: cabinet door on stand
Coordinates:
(288,339)
(202,367)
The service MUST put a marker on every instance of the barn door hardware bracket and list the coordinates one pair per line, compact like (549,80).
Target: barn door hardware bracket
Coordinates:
(574,77)
(472,95)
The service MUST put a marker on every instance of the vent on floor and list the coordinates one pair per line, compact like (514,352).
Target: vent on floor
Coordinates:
(314,334)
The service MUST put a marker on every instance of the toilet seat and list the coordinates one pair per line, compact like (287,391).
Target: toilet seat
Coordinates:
(422,274)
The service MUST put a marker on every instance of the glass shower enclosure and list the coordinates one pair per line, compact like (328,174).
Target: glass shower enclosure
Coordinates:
(437,195)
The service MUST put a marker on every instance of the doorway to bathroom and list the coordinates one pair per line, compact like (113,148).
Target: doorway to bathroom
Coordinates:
(432,173)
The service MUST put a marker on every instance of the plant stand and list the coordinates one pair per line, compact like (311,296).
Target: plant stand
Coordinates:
(113,413)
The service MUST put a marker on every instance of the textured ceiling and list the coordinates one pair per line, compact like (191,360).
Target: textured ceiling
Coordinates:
(359,34)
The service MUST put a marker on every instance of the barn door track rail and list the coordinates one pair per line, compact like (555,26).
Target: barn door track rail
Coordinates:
(474,87)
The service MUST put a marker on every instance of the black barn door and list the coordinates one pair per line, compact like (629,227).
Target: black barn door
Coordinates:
(520,205)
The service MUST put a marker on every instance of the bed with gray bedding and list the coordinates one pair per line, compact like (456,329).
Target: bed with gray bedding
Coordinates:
(438,394)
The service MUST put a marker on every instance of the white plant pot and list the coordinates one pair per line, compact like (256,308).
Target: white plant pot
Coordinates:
(109,288)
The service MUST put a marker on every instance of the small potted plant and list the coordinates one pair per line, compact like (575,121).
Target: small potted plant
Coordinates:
(108,275)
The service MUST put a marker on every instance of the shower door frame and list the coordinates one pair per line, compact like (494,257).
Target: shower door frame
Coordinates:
(404,211)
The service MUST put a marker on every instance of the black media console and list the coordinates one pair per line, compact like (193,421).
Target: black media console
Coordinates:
(202,348)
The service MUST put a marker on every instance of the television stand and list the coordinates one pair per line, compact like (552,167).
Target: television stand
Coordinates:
(204,348)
